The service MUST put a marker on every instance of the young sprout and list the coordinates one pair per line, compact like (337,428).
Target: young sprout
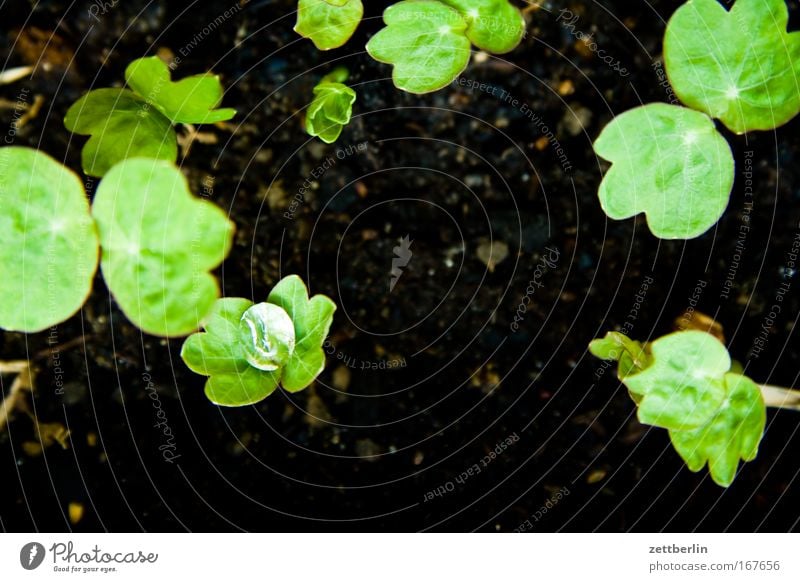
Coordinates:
(686,382)
(670,163)
(331,108)
(159,243)
(429,42)
(328,23)
(247,350)
(48,242)
(138,122)
(739,65)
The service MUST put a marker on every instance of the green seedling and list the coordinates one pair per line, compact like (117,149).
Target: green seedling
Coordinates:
(331,108)
(158,244)
(248,349)
(138,122)
(670,163)
(48,242)
(686,382)
(739,65)
(429,43)
(328,23)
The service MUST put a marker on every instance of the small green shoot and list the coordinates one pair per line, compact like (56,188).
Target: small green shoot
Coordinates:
(247,350)
(331,108)
(328,23)
(158,245)
(683,382)
(739,65)
(48,242)
(138,122)
(670,163)
(429,42)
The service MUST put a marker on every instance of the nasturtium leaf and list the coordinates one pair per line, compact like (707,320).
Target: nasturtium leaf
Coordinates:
(328,23)
(426,42)
(121,125)
(220,353)
(312,320)
(670,163)
(247,350)
(630,355)
(158,245)
(683,386)
(734,432)
(48,241)
(331,108)
(495,26)
(191,100)
(739,66)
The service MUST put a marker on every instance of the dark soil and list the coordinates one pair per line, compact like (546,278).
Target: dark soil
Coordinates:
(451,170)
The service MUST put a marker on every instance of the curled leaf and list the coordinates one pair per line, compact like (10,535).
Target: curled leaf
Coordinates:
(733,433)
(331,108)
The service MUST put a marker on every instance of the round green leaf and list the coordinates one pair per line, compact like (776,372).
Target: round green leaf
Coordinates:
(734,432)
(158,245)
(740,66)
(426,42)
(121,125)
(670,163)
(495,26)
(328,23)
(191,100)
(683,386)
(48,242)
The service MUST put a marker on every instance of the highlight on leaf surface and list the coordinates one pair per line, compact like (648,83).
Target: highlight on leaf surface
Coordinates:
(430,42)
(328,23)
(684,382)
(670,163)
(247,350)
(331,108)
(48,242)
(739,65)
(159,243)
(125,123)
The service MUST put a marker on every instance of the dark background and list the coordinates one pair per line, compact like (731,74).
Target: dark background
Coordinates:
(449,169)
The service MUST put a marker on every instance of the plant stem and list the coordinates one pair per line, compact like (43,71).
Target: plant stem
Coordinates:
(777,397)
(23,382)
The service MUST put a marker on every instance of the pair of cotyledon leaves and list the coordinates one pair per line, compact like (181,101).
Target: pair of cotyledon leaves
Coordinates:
(247,350)
(683,382)
(739,66)
(157,242)
(429,42)
(138,122)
